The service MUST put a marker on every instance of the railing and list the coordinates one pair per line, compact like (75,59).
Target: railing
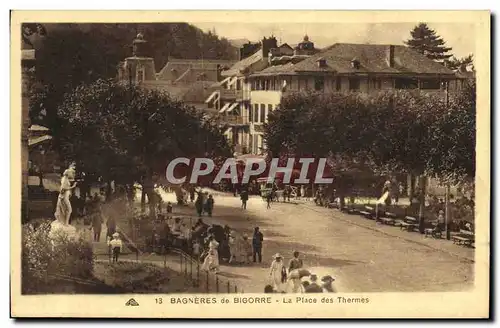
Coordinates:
(231,94)
(231,119)
(176,259)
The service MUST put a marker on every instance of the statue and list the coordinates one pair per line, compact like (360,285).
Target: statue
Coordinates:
(63,207)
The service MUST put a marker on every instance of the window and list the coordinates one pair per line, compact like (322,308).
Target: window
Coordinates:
(354,83)
(249,115)
(256,113)
(262,113)
(273,84)
(338,83)
(376,83)
(319,83)
(430,84)
(406,83)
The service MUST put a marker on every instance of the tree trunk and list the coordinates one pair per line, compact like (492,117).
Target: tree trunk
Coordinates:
(411,187)
(423,186)
(108,190)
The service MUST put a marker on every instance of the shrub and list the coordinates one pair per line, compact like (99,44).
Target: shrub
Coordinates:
(44,258)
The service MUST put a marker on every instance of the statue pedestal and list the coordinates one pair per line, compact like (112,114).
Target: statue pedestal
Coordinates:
(58,229)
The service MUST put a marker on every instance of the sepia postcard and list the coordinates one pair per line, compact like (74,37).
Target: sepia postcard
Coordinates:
(227,164)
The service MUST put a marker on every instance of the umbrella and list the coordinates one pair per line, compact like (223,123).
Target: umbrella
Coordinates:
(299,273)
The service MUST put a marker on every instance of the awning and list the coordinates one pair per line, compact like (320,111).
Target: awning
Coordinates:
(37,128)
(212,96)
(225,80)
(233,106)
(233,81)
(37,140)
(224,108)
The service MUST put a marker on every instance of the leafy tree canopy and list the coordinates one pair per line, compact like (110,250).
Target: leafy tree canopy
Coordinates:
(389,132)
(426,41)
(123,132)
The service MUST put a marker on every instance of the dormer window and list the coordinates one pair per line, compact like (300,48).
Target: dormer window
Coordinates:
(321,62)
(355,63)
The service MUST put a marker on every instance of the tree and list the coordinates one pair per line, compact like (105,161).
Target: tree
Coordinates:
(453,134)
(427,42)
(31,32)
(128,134)
(466,62)
(71,54)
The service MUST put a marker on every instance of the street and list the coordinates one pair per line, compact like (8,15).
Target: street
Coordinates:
(362,259)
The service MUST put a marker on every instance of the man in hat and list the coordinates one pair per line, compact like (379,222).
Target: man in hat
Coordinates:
(295,264)
(313,286)
(327,284)
(116,246)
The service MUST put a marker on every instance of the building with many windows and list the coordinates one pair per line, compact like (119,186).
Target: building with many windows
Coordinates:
(343,67)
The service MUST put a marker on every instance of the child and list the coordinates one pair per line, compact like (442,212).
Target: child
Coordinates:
(169,210)
(116,246)
(196,249)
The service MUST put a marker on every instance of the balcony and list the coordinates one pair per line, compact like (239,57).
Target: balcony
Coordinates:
(231,94)
(233,120)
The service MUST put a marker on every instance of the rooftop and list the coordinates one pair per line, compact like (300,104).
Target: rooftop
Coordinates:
(372,59)
(243,64)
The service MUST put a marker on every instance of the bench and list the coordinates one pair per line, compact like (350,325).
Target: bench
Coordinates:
(459,240)
(429,232)
(366,214)
(389,221)
(390,215)
(408,226)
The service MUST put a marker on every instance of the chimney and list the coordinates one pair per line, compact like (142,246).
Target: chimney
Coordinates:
(390,55)
(268,44)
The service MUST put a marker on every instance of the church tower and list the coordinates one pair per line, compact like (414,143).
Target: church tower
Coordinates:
(140,67)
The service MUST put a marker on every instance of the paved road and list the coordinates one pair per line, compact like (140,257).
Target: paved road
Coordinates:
(363,259)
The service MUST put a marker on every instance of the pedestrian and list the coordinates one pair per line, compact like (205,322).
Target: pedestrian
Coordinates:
(269,199)
(210,205)
(313,286)
(302,191)
(97,226)
(170,210)
(295,264)
(199,204)
(247,249)
(276,272)
(111,226)
(196,249)
(268,289)
(116,246)
(327,284)
(257,240)
(244,199)
(211,262)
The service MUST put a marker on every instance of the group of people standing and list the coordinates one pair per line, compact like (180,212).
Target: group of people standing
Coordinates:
(282,277)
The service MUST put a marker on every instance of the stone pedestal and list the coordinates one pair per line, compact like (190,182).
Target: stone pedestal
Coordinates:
(58,229)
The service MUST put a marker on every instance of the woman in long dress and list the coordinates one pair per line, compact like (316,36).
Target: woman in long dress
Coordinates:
(63,207)
(276,273)
(211,261)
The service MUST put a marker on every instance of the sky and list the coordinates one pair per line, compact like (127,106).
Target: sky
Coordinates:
(459,36)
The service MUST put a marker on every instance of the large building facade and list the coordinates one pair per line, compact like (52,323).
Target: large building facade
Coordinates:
(365,68)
